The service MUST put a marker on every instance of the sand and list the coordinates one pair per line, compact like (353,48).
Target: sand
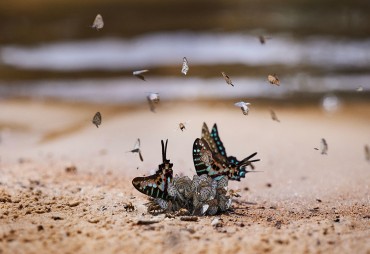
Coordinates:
(302,202)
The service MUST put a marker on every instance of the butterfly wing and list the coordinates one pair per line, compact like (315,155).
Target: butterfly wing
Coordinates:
(141,156)
(156,185)
(213,140)
(206,162)
(97,119)
(185,66)
(219,146)
(137,144)
(98,22)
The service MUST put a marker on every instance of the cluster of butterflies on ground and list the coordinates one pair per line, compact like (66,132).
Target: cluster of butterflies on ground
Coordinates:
(207,192)
(153,98)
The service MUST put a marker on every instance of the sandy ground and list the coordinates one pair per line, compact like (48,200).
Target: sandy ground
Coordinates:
(302,202)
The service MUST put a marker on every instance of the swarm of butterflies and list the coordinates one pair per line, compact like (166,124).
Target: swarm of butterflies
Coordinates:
(206,193)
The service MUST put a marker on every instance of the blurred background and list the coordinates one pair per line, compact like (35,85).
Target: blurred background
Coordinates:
(318,49)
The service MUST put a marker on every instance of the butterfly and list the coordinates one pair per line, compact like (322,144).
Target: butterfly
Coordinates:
(274,116)
(156,185)
(324,146)
(97,119)
(273,79)
(137,149)
(153,98)
(139,74)
(227,79)
(185,66)
(98,22)
(209,156)
(243,106)
(263,39)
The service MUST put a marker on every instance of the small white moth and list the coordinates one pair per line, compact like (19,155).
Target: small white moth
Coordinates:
(153,98)
(139,74)
(98,22)
(185,66)
(243,106)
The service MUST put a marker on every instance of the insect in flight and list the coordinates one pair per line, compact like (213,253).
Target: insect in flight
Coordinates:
(367,152)
(274,116)
(185,66)
(98,22)
(227,79)
(153,98)
(243,106)
(263,39)
(97,119)
(156,185)
(273,79)
(324,146)
(139,74)
(209,156)
(137,149)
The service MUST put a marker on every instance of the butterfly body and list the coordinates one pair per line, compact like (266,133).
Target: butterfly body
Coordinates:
(210,157)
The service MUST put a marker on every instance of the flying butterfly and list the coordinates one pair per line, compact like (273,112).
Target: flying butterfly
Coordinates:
(137,149)
(156,185)
(243,106)
(153,98)
(98,22)
(324,146)
(263,39)
(97,119)
(185,66)
(273,79)
(273,116)
(139,74)
(209,156)
(227,79)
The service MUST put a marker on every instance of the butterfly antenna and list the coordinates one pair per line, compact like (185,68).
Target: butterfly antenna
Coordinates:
(246,161)
(164,150)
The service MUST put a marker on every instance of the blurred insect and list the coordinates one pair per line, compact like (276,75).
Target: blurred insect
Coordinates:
(367,152)
(324,146)
(227,79)
(137,149)
(359,89)
(243,106)
(182,126)
(234,193)
(263,39)
(98,22)
(273,79)
(185,66)
(153,98)
(129,207)
(273,116)
(139,74)
(97,119)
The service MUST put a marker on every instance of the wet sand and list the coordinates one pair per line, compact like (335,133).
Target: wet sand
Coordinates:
(302,202)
